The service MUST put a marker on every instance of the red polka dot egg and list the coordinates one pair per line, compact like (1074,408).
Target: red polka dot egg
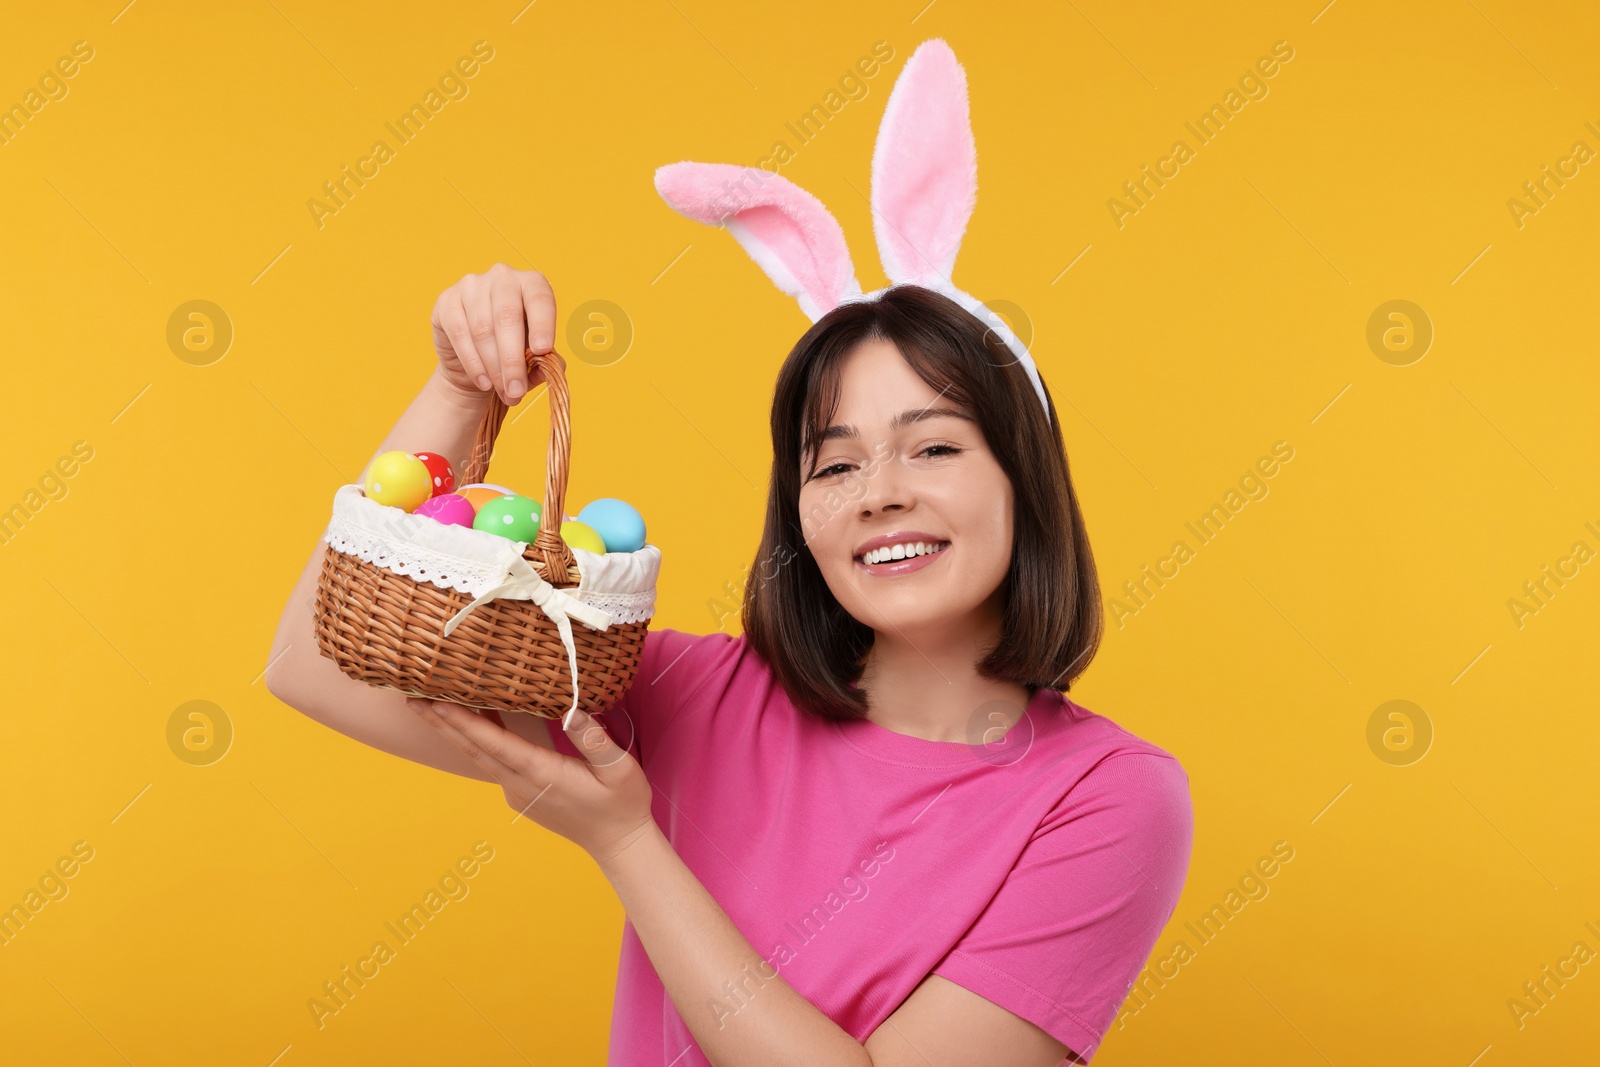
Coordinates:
(441,477)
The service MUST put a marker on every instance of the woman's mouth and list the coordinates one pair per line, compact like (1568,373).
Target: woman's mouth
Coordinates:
(893,560)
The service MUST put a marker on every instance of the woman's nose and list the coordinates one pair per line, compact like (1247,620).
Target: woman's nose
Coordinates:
(884,486)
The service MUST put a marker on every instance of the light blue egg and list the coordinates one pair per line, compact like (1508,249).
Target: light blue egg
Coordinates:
(618,524)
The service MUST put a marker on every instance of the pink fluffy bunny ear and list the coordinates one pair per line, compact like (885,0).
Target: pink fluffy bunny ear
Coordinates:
(785,229)
(924,169)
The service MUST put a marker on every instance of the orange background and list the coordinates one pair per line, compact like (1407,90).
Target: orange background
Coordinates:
(1230,312)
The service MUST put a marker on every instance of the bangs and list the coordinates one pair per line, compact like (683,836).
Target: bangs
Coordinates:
(941,368)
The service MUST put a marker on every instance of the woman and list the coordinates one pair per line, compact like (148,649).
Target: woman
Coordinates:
(872,829)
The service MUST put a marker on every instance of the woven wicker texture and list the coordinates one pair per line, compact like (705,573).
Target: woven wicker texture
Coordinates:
(384,628)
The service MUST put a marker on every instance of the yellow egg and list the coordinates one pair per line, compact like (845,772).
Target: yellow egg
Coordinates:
(398,479)
(581,535)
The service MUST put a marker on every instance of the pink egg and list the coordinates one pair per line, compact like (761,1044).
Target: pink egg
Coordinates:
(448,508)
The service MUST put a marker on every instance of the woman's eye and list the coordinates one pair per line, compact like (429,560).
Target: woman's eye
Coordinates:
(949,450)
(937,451)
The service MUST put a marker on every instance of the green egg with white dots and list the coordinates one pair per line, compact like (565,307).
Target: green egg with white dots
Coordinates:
(511,516)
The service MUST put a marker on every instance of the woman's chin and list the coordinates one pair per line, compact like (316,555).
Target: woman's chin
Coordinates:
(909,617)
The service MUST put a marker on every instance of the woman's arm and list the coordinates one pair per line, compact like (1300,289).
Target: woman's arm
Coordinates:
(438,420)
(482,327)
(602,802)
(697,950)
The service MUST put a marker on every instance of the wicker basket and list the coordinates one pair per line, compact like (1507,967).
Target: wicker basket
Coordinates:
(410,604)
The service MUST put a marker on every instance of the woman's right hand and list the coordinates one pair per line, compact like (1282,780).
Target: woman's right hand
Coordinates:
(483,323)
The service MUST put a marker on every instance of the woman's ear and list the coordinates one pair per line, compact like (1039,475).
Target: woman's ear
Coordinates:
(785,229)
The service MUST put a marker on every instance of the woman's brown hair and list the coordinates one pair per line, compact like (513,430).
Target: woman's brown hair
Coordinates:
(1052,620)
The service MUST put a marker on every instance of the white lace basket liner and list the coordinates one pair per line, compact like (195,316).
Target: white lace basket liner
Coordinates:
(613,587)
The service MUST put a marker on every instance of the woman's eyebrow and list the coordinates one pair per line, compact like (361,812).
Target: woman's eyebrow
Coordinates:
(900,421)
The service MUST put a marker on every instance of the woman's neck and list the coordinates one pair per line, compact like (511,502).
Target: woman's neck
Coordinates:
(928,686)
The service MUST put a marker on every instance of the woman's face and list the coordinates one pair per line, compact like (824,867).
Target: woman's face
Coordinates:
(900,465)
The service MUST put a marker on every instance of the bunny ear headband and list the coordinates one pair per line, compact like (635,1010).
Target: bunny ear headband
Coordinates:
(924,187)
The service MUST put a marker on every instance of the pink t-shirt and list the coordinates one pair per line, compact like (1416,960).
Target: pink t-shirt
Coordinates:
(1036,871)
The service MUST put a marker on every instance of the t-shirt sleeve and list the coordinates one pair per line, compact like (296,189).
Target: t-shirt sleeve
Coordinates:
(672,666)
(1065,936)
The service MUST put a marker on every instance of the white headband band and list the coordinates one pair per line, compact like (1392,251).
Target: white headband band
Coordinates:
(993,322)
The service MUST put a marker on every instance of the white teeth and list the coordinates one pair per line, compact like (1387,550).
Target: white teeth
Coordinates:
(901,551)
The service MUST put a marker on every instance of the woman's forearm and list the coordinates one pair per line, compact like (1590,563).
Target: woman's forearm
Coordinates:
(439,419)
(736,1005)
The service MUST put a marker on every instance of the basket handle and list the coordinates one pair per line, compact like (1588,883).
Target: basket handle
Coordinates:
(548,547)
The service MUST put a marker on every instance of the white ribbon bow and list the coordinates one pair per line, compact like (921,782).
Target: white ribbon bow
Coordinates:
(524,583)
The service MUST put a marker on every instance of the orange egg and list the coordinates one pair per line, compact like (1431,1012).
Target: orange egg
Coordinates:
(482,493)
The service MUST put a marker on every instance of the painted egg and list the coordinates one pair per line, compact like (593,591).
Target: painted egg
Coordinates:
(512,516)
(444,479)
(398,479)
(582,535)
(452,509)
(618,524)
(480,493)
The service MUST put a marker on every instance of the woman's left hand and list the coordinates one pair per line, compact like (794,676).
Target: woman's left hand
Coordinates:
(600,803)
